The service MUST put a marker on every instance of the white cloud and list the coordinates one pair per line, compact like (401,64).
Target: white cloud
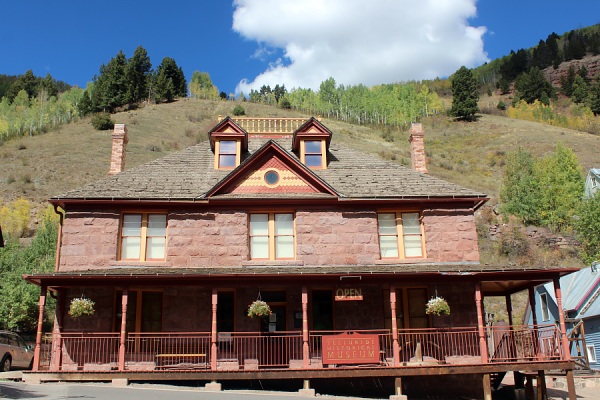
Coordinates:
(359,41)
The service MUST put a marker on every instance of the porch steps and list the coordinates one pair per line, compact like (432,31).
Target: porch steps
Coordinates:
(496,379)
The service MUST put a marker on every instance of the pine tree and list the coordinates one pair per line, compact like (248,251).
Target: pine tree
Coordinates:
(137,72)
(532,86)
(464,94)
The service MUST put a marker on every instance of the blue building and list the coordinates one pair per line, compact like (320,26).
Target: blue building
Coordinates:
(581,304)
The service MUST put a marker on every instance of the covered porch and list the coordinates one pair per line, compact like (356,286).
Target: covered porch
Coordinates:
(373,333)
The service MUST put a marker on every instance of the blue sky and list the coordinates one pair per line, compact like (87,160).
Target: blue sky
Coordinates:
(243,44)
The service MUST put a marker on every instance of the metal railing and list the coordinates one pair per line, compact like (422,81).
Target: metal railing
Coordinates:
(168,350)
(248,351)
(439,345)
(252,350)
(522,344)
(81,351)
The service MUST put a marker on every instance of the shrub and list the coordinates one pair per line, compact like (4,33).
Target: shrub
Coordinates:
(102,122)
(238,111)
(285,103)
(501,105)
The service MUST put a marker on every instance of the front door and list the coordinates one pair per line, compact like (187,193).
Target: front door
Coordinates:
(322,307)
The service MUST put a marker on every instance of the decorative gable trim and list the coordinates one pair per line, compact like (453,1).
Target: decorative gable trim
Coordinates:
(311,130)
(250,176)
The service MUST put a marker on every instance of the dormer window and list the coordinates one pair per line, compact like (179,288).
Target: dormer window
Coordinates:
(311,142)
(228,141)
(312,152)
(229,154)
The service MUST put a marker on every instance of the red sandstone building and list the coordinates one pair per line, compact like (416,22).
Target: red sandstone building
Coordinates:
(345,248)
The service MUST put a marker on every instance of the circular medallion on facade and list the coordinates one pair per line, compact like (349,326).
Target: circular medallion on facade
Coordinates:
(272,178)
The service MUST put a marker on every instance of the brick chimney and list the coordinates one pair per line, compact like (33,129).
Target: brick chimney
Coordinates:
(417,148)
(119,143)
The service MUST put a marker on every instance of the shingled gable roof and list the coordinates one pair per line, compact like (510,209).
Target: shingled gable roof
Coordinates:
(269,151)
(189,175)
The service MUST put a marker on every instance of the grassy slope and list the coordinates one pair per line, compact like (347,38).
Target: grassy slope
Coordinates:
(470,154)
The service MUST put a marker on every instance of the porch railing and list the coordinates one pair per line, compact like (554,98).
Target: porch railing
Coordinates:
(251,350)
(247,351)
(452,345)
(522,344)
(168,350)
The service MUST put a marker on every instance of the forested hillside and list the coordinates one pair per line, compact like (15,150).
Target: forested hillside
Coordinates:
(527,131)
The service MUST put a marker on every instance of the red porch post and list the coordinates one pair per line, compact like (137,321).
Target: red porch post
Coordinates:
(122,338)
(561,317)
(532,305)
(38,337)
(509,310)
(536,347)
(305,348)
(480,325)
(57,332)
(213,332)
(395,346)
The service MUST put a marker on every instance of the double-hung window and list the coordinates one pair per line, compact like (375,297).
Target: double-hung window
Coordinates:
(143,237)
(272,236)
(400,235)
(313,153)
(227,154)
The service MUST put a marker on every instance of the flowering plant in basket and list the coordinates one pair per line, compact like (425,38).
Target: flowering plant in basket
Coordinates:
(437,306)
(81,306)
(259,309)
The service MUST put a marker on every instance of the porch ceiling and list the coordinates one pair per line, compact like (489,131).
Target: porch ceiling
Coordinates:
(495,280)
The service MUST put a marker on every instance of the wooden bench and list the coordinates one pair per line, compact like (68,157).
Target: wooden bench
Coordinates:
(181,361)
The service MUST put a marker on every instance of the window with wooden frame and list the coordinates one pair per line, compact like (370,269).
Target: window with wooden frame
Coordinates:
(312,153)
(143,237)
(272,236)
(401,235)
(227,154)
(591,352)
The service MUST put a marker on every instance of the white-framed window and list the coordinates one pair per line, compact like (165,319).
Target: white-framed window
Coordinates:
(312,153)
(544,307)
(591,353)
(143,236)
(400,235)
(272,236)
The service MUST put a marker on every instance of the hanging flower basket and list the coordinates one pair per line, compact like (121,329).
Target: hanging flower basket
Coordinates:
(437,306)
(259,309)
(81,306)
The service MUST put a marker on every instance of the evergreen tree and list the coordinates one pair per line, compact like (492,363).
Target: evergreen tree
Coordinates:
(594,97)
(169,81)
(464,94)
(580,90)
(534,86)
(111,86)
(552,43)
(566,81)
(137,72)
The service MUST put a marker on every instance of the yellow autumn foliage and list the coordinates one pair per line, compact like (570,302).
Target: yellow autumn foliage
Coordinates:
(15,217)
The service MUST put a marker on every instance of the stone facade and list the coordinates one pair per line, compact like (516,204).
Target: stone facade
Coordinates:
(220,238)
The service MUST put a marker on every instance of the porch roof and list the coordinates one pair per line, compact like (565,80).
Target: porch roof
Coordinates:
(496,280)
